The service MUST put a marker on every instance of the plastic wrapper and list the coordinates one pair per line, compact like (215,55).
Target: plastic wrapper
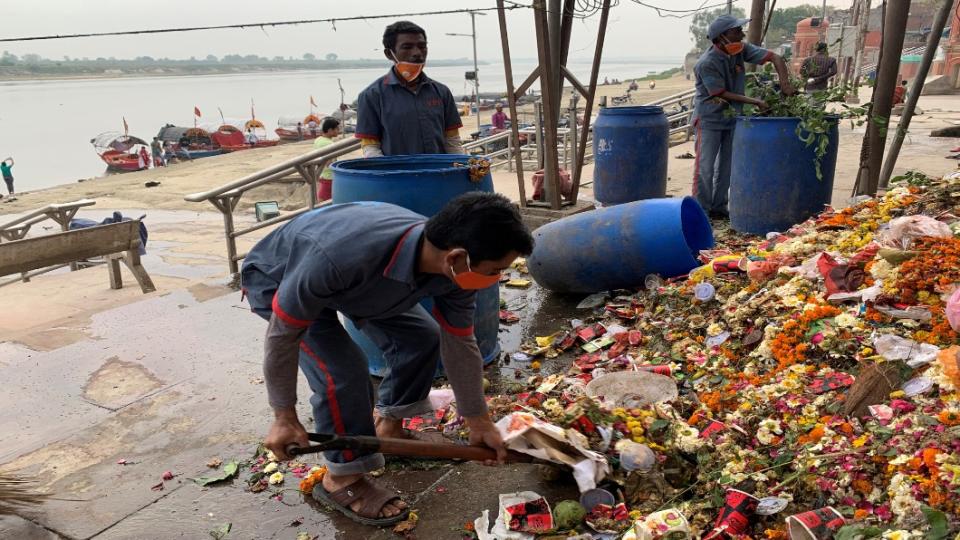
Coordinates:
(902,231)
(953,310)
(893,347)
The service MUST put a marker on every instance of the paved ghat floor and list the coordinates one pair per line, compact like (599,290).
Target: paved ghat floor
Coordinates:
(169,380)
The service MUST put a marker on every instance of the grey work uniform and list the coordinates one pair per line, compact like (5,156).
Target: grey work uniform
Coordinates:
(404,120)
(718,72)
(360,259)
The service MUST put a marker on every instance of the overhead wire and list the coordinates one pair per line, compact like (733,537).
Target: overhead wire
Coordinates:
(679,13)
(261,25)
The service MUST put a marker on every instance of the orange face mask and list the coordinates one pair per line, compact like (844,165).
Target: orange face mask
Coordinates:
(733,48)
(408,70)
(471,280)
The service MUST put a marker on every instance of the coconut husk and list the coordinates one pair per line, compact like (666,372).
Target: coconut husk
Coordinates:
(873,386)
(16,493)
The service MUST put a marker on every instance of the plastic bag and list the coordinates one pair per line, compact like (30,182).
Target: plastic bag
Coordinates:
(953,310)
(904,230)
(915,354)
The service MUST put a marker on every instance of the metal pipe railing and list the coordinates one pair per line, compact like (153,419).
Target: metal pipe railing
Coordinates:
(308,167)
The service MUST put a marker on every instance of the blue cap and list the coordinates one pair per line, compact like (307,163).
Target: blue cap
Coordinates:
(722,24)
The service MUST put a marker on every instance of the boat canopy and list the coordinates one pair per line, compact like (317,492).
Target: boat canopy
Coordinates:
(114,140)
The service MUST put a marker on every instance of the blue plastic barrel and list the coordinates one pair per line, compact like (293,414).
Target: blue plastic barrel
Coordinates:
(630,153)
(773,180)
(617,246)
(424,184)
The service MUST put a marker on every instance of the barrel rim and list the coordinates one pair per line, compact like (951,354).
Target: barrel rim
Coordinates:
(357,166)
(632,109)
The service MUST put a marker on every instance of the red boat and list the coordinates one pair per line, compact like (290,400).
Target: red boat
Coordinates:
(293,129)
(121,152)
(231,139)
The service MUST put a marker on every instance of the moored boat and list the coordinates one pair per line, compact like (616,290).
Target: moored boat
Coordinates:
(121,152)
(189,143)
(292,128)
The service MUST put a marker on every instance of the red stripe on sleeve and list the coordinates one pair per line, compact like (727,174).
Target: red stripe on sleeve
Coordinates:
(285,317)
(366,136)
(453,330)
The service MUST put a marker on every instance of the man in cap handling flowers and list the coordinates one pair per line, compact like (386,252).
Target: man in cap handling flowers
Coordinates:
(721,88)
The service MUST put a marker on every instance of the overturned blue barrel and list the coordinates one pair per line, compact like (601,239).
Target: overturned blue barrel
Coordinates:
(424,184)
(616,247)
(630,153)
(773,180)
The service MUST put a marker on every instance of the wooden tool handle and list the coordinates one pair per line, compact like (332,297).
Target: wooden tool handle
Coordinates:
(412,448)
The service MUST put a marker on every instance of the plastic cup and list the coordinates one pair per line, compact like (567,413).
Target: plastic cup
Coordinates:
(819,524)
(704,292)
(593,497)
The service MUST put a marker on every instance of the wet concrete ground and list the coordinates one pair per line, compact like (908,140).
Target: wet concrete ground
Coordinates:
(168,381)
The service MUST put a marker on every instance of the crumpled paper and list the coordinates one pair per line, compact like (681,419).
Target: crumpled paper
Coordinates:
(527,434)
(953,310)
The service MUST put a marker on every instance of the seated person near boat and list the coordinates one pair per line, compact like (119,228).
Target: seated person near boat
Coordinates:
(329,130)
(499,119)
(251,137)
(406,112)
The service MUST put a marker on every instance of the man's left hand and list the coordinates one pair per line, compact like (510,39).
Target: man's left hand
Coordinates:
(483,432)
(787,88)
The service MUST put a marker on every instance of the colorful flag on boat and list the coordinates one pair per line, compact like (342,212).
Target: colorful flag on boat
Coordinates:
(126,128)
(196,111)
(312,103)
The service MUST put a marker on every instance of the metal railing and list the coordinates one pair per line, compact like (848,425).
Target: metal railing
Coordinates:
(308,167)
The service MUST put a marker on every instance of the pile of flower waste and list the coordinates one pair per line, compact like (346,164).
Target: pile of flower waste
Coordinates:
(817,374)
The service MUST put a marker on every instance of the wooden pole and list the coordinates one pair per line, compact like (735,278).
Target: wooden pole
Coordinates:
(755,30)
(548,77)
(933,41)
(588,106)
(512,103)
(894,28)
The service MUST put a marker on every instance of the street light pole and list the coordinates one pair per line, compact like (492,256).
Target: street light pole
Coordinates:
(476,70)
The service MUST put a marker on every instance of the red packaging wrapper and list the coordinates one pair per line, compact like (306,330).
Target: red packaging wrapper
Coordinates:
(424,421)
(634,337)
(586,333)
(736,516)
(531,516)
(568,340)
(660,369)
(616,350)
(729,265)
(712,428)
(819,524)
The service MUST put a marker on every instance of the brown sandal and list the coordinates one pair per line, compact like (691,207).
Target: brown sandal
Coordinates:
(374,499)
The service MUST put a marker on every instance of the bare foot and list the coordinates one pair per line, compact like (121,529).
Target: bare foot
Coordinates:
(333,483)
(389,428)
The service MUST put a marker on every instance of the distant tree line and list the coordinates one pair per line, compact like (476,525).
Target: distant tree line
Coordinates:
(34,63)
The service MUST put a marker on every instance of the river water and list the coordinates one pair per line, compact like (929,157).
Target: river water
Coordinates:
(46,126)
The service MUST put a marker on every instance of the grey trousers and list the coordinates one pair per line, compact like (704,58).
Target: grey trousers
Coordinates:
(711,170)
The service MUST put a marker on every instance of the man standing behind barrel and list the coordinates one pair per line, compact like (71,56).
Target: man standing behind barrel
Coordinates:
(406,112)
(721,85)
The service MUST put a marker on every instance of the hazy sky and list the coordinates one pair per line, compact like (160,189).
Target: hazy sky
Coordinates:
(634,30)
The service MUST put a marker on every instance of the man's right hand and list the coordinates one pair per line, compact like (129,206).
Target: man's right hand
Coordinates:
(285,430)
(762,105)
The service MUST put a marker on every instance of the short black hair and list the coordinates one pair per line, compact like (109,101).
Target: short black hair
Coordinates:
(391,32)
(822,46)
(487,225)
(329,123)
